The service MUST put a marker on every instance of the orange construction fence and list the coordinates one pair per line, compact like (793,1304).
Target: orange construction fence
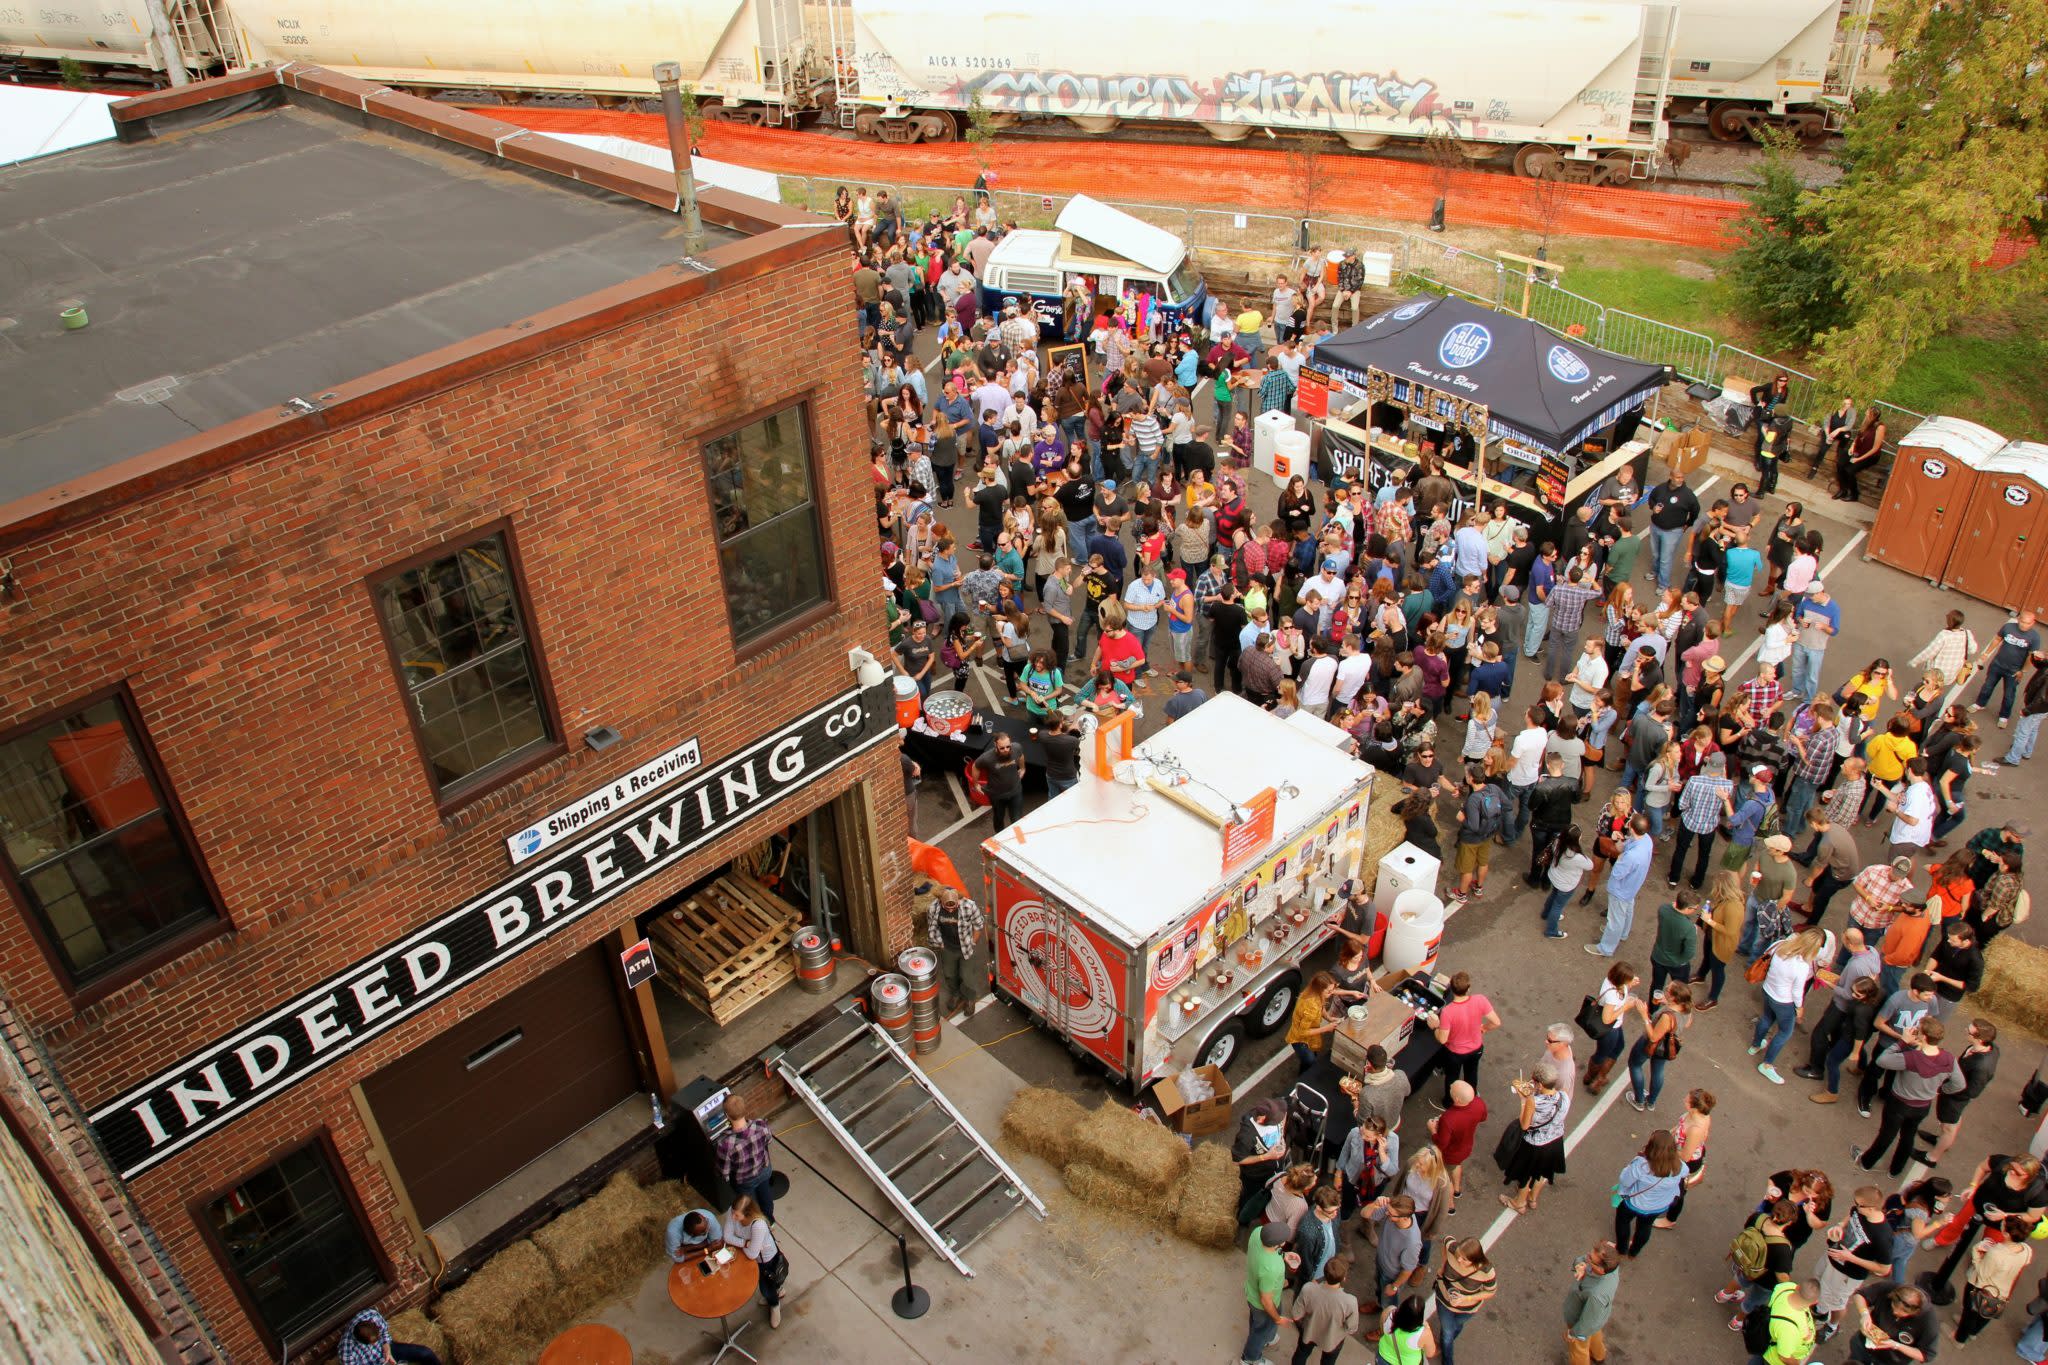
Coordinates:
(1229,177)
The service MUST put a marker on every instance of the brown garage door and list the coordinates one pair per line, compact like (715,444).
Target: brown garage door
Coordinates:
(475,1104)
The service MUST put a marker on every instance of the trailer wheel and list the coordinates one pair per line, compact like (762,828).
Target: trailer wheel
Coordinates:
(1274,1008)
(1220,1048)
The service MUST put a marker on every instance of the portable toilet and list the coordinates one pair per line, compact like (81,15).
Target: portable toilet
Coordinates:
(1933,478)
(2002,549)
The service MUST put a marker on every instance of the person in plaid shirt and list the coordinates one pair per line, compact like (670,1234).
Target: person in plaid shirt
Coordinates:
(1568,601)
(1703,803)
(367,1341)
(1881,890)
(953,924)
(1814,760)
(1276,390)
(1763,692)
(743,1160)
(1844,801)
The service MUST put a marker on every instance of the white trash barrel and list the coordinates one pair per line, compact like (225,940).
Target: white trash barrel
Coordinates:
(1415,930)
(1290,455)
(1404,868)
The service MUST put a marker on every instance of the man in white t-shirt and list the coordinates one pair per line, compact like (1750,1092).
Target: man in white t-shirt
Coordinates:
(1527,752)
(1318,678)
(1913,804)
(1354,670)
(1588,676)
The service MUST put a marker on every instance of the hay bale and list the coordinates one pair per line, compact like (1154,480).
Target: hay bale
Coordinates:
(1384,831)
(1106,1191)
(2015,985)
(1042,1122)
(504,1309)
(1135,1150)
(414,1327)
(603,1248)
(1205,1199)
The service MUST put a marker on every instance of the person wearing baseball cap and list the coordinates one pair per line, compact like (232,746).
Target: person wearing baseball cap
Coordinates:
(1753,805)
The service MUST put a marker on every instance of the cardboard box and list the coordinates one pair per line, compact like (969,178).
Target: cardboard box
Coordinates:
(1201,1116)
(1688,453)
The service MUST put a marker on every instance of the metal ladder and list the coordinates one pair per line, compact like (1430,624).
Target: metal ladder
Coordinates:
(940,1174)
(1845,60)
(202,38)
(1653,87)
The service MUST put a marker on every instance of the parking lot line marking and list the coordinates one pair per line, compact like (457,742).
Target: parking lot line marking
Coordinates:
(1827,570)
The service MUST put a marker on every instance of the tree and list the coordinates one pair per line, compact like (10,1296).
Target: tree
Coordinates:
(1446,153)
(981,130)
(1942,167)
(1784,269)
(693,116)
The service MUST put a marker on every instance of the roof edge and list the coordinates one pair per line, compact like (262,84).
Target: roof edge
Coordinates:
(776,236)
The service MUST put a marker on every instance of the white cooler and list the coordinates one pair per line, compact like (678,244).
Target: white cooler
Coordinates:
(1267,429)
(1406,868)
(1290,456)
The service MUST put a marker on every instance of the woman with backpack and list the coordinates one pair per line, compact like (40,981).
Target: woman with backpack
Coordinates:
(1645,1190)
(1615,998)
(1657,1046)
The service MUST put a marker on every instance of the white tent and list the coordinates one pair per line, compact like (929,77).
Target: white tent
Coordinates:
(36,122)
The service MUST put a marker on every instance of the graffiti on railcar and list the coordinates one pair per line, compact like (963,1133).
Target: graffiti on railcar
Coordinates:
(1322,99)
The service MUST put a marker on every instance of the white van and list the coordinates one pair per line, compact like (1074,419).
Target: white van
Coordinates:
(1107,252)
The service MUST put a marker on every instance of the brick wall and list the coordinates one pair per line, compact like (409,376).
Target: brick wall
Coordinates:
(235,610)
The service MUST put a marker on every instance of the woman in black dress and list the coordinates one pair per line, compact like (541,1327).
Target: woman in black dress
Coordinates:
(1783,545)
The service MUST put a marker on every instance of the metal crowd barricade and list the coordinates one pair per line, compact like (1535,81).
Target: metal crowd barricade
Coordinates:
(1477,277)
(1805,399)
(1556,308)
(1689,354)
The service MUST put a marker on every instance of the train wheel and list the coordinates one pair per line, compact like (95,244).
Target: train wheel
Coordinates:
(865,123)
(1276,1006)
(1729,121)
(1611,170)
(1220,1048)
(937,127)
(1808,128)
(1538,162)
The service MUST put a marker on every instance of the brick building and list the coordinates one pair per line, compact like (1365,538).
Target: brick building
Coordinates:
(418,574)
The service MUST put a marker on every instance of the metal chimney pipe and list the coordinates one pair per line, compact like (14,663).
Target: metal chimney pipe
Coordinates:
(669,76)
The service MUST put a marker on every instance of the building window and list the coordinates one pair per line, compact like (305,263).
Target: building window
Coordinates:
(458,633)
(770,549)
(292,1241)
(91,842)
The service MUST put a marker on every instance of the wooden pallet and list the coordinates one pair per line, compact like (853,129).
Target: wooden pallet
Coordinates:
(741,998)
(726,946)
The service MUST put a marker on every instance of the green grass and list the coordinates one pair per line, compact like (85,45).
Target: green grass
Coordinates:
(1986,369)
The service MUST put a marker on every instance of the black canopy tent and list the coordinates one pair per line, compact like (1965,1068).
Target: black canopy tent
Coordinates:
(1503,380)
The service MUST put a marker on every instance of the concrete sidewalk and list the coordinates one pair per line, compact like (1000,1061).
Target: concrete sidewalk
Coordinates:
(1080,1286)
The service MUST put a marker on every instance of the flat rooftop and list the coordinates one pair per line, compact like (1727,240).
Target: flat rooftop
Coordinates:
(230,267)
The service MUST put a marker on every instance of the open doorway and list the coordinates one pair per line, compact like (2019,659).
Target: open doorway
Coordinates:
(726,970)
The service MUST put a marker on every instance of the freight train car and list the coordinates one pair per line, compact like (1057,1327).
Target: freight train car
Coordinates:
(1581,85)
(1582,76)
(1742,66)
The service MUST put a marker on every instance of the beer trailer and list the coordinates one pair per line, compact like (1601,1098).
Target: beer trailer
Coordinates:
(1156,914)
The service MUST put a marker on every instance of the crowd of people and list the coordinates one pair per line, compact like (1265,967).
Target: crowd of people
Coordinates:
(1496,672)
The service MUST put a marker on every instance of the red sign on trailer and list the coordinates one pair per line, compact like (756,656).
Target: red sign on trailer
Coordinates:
(1061,969)
(1243,839)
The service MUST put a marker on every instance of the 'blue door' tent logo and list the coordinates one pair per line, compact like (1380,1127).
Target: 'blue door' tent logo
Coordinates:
(1410,310)
(529,841)
(1465,344)
(1567,366)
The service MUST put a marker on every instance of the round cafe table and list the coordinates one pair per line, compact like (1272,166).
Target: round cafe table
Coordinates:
(588,1343)
(719,1295)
